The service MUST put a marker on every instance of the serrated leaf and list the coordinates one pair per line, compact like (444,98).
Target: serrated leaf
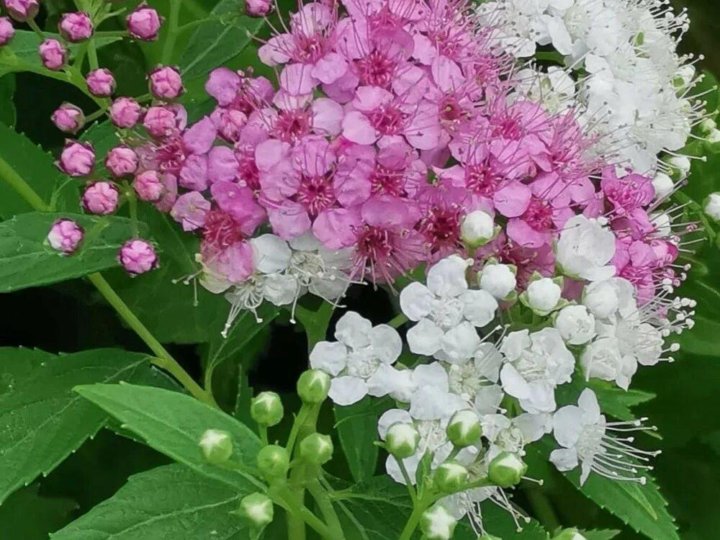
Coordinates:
(218,40)
(173,424)
(26,261)
(643,508)
(8,114)
(48,514)
(617,402)
(167,502)
(606,534)
(41,419)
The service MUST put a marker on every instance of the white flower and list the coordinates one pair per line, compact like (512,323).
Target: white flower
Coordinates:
(432,398)
(603,359)
(712,206)
(575,324)
(582,431)
(355,359)
(498,279)
(475,380)
(605,298)
(543,295)
(447,312)
(513,434)
(663,184)
(585,249)
(477,228)
(323,272)
(271,253)
(536,364)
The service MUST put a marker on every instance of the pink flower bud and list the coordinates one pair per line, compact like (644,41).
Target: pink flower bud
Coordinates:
(258,8)
(144,23)
(52,54)
(77,159)
(22,10)
(229,123)
(160,121)
(148,186)
(121,161)
(65,236)
(76,26)
(101,198)
(125,112)
(7,31)
(138,257)
(166,83)
(101,82)
(68,118)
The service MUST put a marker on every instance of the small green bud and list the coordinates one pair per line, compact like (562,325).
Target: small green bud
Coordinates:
(506,470)
(569,534)
(257,508)
(437,523)
(266,409)
(313,386)
(216,446)
(273,462)
(402,440)
(464,428)
(451,476)
(316,449)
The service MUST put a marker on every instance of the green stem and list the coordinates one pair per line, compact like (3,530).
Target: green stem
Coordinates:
(414,519)
(164,360)
(326,509)
(172,31)
(32,24)
(542,508)
(398,320)
(21,187)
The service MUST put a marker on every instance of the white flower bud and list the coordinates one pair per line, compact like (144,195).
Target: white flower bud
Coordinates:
(451,477)
(437,523)
(712,206)
(464,428)
(575,324)
(543,295)
(506,470)
(266,409)
(316,449)
(498,279)
(257,508)
(402,440)
(680,166)
(663,185)
(707,125)
(477,229)
(216,446)
(601,299)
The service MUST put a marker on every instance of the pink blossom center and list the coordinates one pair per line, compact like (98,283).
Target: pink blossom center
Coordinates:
(481,179)
(291,125)
(375,69)
(220,230)
(387,181)
(538,215)
(171,155)
(387,119)
(309,49)
(316,193)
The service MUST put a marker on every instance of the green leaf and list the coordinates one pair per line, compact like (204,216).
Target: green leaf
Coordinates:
(173,424)
(167,502)
(357,428)
(618,402)
(48,514)
(215,42)
(641,507)
(41,419)
(702,339)
(607,534)
(27,261)
(8,115)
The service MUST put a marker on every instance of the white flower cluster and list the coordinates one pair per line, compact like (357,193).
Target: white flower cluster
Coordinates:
(635,89)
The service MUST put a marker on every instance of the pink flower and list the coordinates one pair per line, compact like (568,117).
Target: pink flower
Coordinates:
(258,8)
(101,198)
(144,23)
(101,82)
(68,118)
(627,193)
(166,83)
(75,26)
(22,10)
(52,54)
(238,203)
(65,236)
(148,186)
(77,159)
(121,161)
(137,257)
(226,254)
(190,210)
(125,112)
(7,31)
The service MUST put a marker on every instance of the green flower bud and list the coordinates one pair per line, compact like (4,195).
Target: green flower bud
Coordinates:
(313,386)
(316,449)
(216,446)
(451,476)
(569,534)
(402,440)
(257,508)
(464,428)
(437,523)
(266,409)
(506,470)
(273,462)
